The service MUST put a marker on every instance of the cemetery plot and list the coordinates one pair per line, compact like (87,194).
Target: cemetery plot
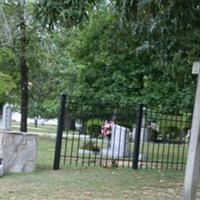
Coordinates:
(106,137)
(167,140)
(86,150)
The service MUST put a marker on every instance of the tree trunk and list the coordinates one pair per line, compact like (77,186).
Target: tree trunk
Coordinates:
(140,83)
(36,122)
(23,68)
(24,93)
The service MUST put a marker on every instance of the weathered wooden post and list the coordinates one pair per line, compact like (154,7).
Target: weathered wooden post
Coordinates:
(193,160)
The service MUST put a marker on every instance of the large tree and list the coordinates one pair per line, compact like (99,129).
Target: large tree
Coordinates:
(110,64)
(157,42)
(18,52)
(23,43)
(62,13)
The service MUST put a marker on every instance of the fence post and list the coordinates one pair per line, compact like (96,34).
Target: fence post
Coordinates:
(59,132)
(137,136)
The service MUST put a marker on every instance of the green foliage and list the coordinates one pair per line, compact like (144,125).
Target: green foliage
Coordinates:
(109,67)
(66,13)
(171,134)
(6,86)
(168,32)
(121,61)
(128,51)
(59,71)
(126,123)
(94,128)
(142,50)
(154,134)
(168,134)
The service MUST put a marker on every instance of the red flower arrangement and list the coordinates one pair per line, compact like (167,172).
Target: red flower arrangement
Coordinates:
(106,129)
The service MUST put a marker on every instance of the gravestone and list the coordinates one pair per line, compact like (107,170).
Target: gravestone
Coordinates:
(6,117)
(5,124)
(119,142)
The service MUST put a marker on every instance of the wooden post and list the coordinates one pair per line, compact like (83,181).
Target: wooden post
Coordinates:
(193,160)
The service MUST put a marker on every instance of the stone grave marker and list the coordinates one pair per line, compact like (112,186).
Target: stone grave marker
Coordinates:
(6,117)
(119,142)
(5,124)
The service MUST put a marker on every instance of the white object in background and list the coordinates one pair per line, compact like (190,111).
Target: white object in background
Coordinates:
(6,117)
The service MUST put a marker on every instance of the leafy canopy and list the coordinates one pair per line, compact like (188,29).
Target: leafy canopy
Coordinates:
(7,84)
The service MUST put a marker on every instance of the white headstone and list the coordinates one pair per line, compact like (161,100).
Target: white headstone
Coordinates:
(6,117)
(119,142)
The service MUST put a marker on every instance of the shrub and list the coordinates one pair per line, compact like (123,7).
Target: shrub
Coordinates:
(94,128)
(154,135)
(172,134)
(126,124)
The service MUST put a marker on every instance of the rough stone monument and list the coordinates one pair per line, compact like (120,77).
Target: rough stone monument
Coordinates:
(18,151)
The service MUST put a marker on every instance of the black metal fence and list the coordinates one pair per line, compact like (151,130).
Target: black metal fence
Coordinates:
(121,135)
(165,139)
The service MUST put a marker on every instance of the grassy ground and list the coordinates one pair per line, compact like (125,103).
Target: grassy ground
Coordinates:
(88,183)
(41,128)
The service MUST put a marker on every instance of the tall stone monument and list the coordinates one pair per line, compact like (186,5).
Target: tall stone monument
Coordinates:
(6,117)
(5,124)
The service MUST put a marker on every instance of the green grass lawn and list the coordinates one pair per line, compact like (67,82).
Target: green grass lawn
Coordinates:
(155,155)
(39,129)
(87,183)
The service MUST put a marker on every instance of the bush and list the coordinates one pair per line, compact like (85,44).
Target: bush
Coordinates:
(126,124)
(94,128)
(172,134)
(154,135)
(92,146)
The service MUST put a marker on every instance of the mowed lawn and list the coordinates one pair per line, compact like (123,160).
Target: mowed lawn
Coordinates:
(46,128)
(89,183)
